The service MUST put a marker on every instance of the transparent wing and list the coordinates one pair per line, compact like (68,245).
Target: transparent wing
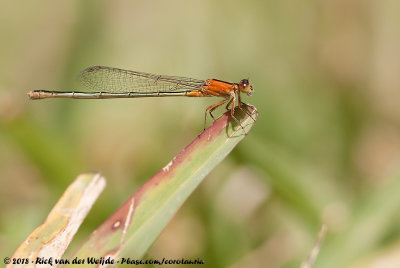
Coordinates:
(114,80)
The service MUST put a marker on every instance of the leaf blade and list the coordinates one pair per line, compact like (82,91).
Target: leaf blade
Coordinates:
(132,229)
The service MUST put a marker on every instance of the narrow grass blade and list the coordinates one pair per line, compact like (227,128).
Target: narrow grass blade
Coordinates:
(51,239)
(131,230)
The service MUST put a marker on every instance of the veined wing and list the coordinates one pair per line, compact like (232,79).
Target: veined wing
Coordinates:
(114,80)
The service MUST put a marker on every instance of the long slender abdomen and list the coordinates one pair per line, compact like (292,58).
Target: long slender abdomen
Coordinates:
(43,94)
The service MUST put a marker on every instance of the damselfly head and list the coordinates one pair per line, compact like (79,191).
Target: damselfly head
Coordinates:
(245,86)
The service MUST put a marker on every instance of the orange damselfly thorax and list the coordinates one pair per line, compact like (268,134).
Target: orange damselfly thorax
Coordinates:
(246,87)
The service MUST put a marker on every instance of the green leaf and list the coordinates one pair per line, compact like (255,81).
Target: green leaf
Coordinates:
(132,229)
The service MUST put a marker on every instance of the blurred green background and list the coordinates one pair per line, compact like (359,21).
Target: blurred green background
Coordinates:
(325,148)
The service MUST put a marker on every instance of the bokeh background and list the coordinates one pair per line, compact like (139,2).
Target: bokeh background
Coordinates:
(325,149)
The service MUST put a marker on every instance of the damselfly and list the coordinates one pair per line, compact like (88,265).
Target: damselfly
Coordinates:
(107,82)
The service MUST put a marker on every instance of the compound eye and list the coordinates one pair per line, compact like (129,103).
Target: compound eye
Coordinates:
(245,82)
